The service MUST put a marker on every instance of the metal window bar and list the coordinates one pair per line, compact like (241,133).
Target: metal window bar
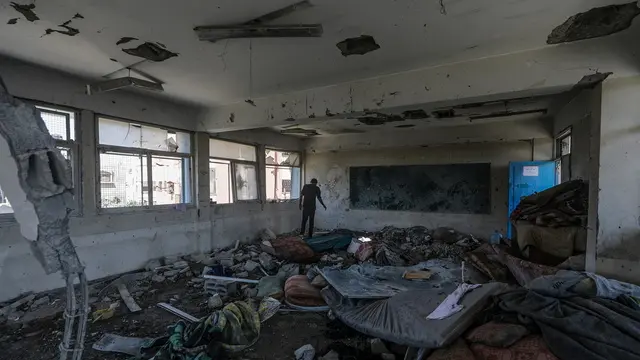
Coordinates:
(232,165)
(147,166)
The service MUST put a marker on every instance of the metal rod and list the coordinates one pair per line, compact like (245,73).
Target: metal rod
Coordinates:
(215,277)
(175,311)
(281,12)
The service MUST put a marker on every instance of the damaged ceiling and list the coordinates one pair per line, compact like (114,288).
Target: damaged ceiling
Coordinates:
(420,118)
(360,39)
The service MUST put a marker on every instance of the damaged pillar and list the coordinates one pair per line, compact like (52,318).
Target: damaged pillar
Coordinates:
(37,180)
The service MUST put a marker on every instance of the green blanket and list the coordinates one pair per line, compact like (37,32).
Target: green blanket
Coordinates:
(234,328)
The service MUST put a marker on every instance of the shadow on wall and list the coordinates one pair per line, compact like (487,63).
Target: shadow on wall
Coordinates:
(626,248)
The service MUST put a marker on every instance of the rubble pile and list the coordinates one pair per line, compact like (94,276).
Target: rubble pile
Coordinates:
(413,293)
(403,247)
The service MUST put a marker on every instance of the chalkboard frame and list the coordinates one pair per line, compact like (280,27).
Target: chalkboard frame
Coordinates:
(434,188)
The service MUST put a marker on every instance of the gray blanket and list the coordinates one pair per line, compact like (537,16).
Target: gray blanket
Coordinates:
(577,327)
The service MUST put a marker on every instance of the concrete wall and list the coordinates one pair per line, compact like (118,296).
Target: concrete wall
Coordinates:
(576,114)
(111,243)
(332,171)
(619,197)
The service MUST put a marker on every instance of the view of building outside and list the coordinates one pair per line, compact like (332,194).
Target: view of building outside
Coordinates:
(282,178)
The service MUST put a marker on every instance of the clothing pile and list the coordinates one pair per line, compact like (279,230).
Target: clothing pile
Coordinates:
(551,225)
(562,205)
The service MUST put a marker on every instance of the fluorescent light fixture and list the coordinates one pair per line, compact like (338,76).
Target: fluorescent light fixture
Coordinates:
(121,83)
(215,33)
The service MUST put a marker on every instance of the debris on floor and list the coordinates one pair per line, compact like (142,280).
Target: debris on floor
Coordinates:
(420,293)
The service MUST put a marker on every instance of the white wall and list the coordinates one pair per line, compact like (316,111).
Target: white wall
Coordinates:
(332,171)
(112,243)
(619,198)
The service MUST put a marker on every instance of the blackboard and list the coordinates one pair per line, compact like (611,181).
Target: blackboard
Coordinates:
(451,188)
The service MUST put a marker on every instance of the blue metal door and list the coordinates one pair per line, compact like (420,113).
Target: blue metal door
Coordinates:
(526,178)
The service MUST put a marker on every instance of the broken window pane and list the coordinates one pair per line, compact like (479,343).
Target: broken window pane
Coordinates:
(168,180)
(231,150)
(273,157)
(282,178)
(125,134)
(246,182)
(282,183)
(122,177)
(565,145)
(56,123)
(220,182)
(119,133)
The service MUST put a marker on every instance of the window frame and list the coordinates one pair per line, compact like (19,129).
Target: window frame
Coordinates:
(300,166)
(559,158)
(104,149)
(232,165)
(73,147)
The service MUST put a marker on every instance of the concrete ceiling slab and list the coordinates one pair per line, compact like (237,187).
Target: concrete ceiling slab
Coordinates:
(411,34)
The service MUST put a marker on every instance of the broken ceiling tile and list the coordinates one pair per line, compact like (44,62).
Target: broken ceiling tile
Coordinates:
(597,22)
(126,39)
(12,21)
(358,46)
(151,51)
(78,16)
(68,30)
(26,11)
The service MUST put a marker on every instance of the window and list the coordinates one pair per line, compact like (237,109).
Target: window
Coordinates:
(61,125)
(233,175)
(563,156)
(282,175)
(142,165)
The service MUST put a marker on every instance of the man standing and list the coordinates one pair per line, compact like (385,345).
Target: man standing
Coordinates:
(308,205)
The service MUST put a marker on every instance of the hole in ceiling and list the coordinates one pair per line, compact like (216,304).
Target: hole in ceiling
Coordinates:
(69,31)
(126,39)
(358,46)
(151,51)
(12,21)
(404,126)
(26,11)
(597,22)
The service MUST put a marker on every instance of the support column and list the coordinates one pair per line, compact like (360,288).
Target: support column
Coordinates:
(260,174)
(594,121)
(88,169)
(204,222)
